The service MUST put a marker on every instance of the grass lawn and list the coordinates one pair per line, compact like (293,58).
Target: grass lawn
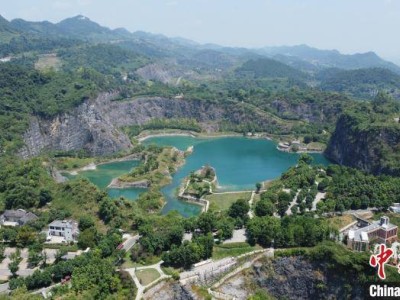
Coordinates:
(128,263)
(224,201)
(340,221)
(147,276)
(232,249)
(316,145)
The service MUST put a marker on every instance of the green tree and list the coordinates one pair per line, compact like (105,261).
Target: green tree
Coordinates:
(85,222)
(264,208)
(15,259)
(87,238)
(206,222)
(306,158)
(206,244)
(25,236)
(34,257)
(2,250)
(98,277)
(225,228)
(60,253)
(262,230)
(45,197)
(323,184)
(258,187)
(239,209)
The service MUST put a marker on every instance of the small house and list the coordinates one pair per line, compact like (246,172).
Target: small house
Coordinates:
(68,229)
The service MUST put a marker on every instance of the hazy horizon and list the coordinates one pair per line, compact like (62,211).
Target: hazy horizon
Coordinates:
(352,26)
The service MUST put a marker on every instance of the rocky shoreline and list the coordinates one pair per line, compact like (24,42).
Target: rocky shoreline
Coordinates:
(116,183)
(93,166)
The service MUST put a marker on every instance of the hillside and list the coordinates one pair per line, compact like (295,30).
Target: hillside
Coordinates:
(231,84)
(7,32)
(360,83)
(269,68)
(303,55)
(368,137)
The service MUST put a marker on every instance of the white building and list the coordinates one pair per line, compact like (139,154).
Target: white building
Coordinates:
(68,229)
(395,208)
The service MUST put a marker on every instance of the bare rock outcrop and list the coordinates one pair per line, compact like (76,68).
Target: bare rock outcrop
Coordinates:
(95,125)
(83,128)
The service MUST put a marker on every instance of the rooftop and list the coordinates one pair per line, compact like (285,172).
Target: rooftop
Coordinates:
(63,223)
(361,234)
(20,214)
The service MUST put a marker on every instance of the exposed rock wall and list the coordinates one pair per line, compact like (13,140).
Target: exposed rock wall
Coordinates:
(94,126)
(169,291)
(369,147)
(298,278)
(292,278)
(142,110)
(85,127)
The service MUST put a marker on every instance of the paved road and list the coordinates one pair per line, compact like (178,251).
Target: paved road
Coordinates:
(318,198)
(205,270)
(4,287)
(238,236)
(140,287)
(46,290)
(130,241)
(251,211)
(293,203)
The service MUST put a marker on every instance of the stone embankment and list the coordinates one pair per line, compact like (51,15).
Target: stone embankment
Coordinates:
(117,183)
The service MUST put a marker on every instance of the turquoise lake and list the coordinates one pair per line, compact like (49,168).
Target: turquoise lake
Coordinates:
(239,162)
(104,174)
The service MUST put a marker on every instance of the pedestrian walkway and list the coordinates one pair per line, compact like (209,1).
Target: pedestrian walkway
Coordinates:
(141,288)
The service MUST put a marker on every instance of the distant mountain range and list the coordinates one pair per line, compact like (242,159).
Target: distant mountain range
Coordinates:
(360,75)
(300,57)
(305,57)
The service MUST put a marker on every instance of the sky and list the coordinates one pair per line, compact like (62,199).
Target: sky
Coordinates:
(349,26)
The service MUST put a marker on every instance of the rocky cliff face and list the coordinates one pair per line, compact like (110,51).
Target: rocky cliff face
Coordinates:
(142,110)
(366,146)
(84,128)
(292,278)
(94,126)
(169,291)
(297,278)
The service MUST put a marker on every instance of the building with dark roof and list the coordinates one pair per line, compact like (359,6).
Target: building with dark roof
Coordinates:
(17,217)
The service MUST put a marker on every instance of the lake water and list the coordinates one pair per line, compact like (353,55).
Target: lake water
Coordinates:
(104,174)
(239,162)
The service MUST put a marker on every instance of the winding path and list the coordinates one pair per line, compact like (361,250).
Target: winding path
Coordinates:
(293,203)
(251,211)
(141,288)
